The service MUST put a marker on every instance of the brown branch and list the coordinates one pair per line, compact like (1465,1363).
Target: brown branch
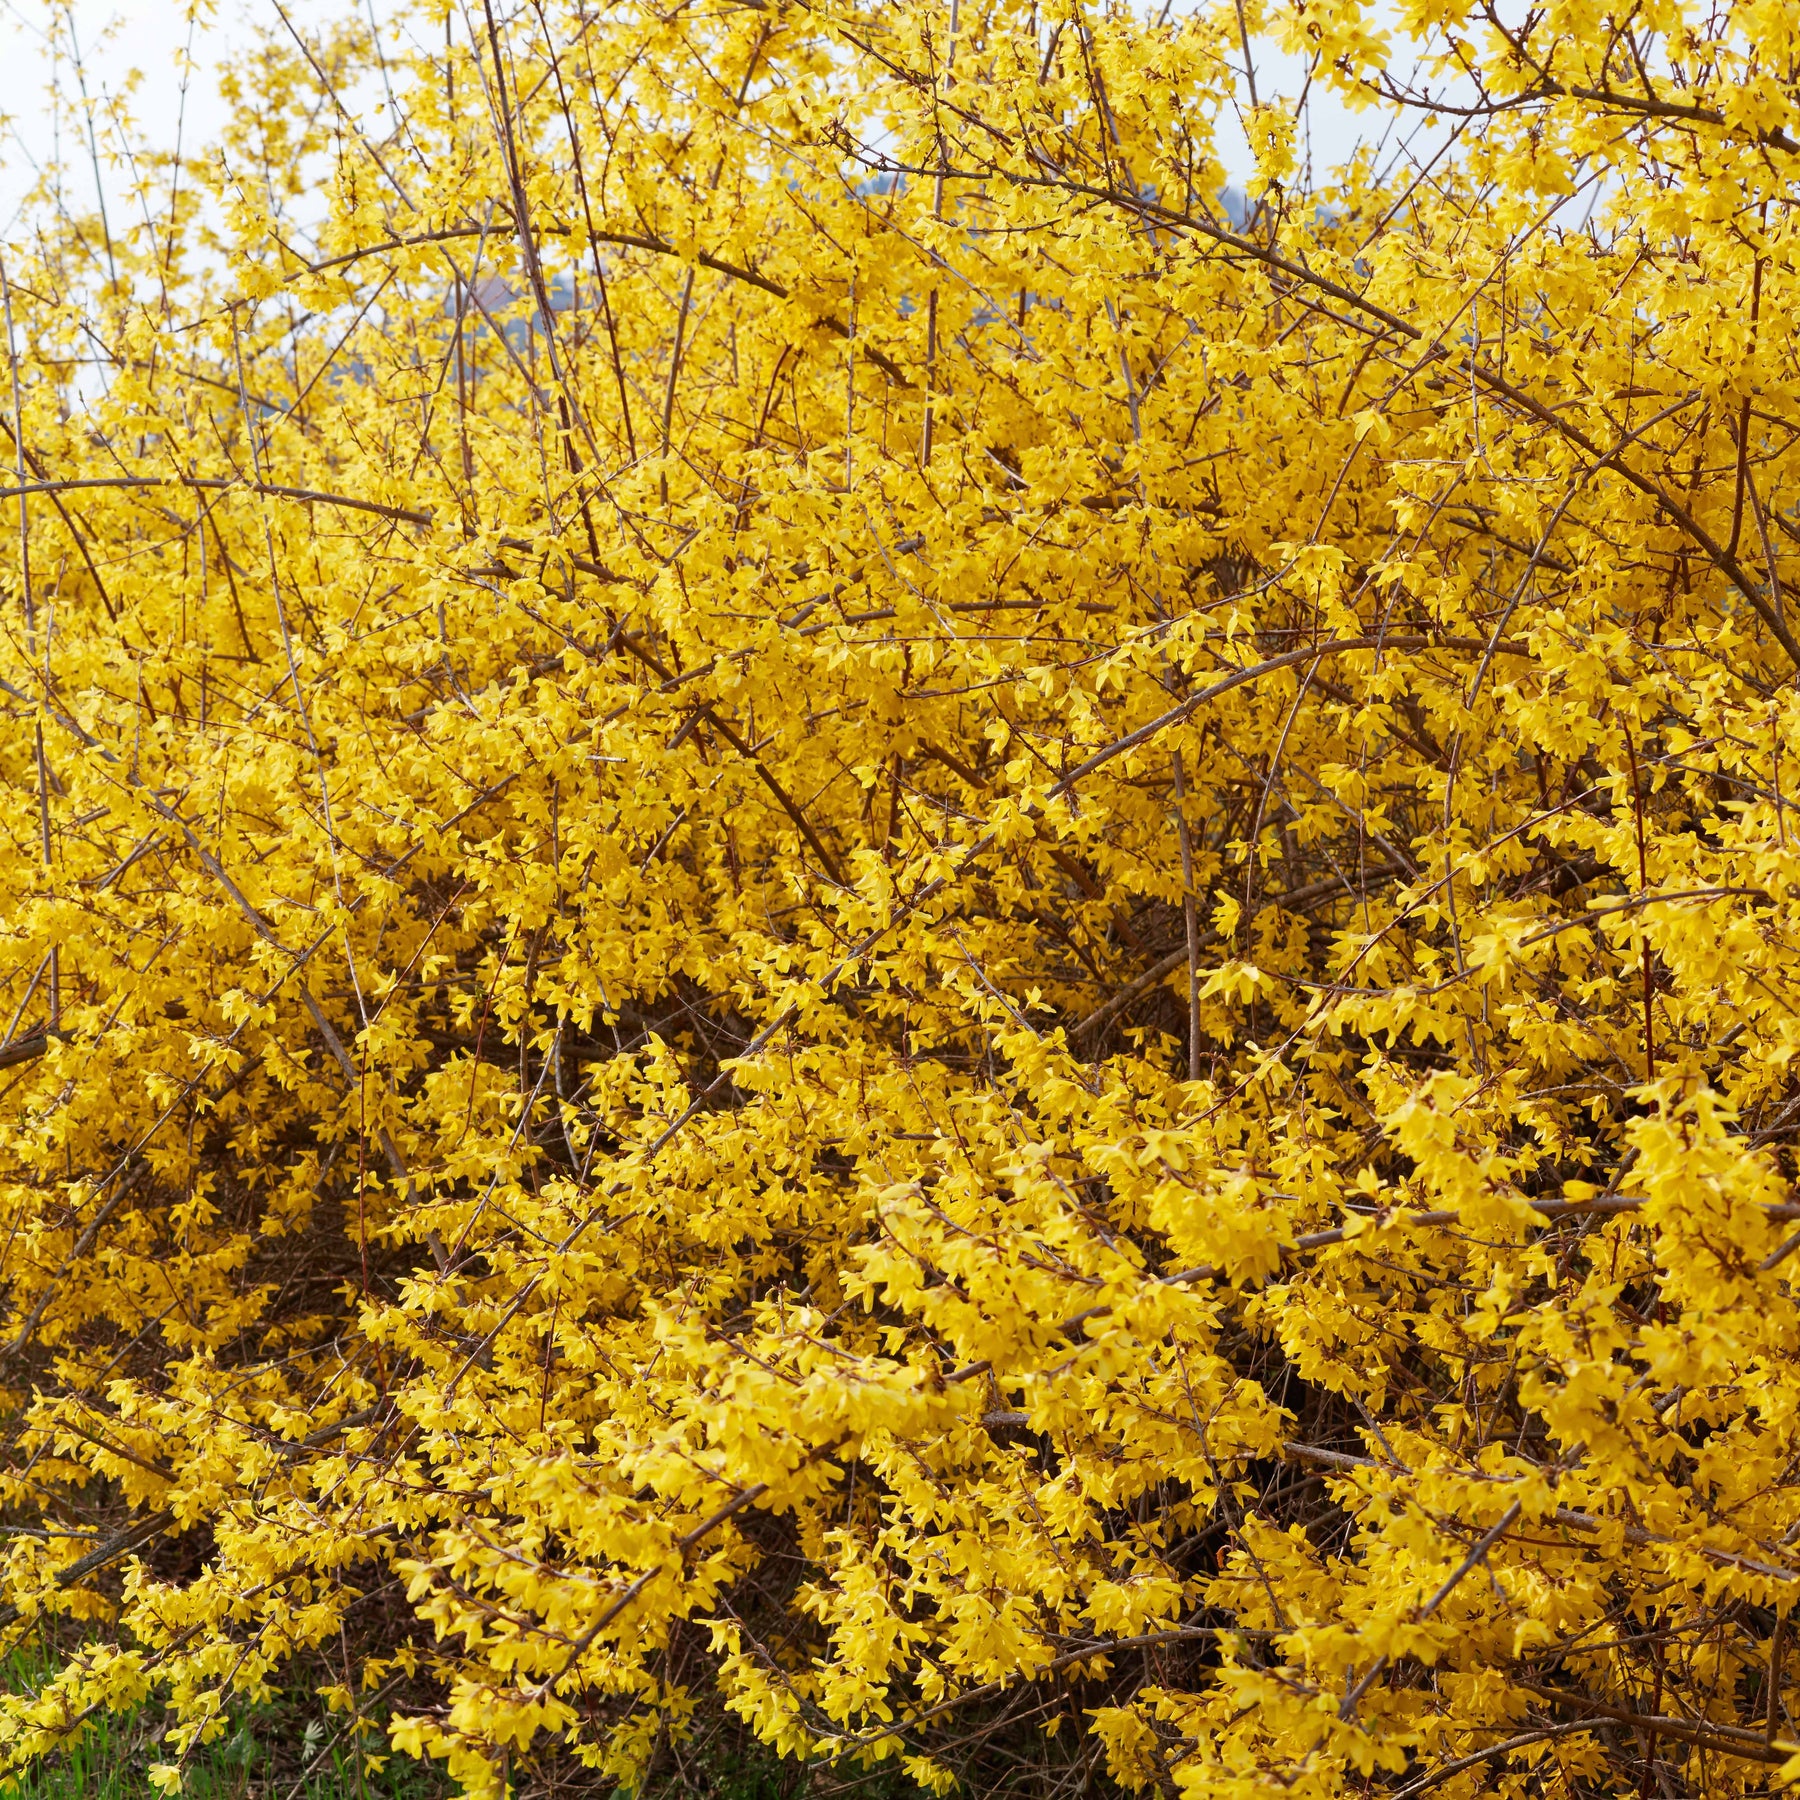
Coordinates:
(1712,1736)
(1167,965)
(1444,1771)
(627,240)
(1318,1240)
(1255,671)
(128,1540)
(405,515)
(788,804)
(685,1545)
(1492,379)
(127,1182)
(1477,1555)
(1647,106)
(24,1049)
(1564,1515)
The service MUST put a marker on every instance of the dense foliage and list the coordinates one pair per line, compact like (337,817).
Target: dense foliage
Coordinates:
(817,911)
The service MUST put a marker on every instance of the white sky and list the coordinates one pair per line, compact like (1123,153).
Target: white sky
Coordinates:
(117,37)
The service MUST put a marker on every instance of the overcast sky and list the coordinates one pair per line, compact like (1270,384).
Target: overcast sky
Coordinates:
(115,36)
(119,36)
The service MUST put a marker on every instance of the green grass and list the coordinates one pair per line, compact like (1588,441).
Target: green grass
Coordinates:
(111,1761)
(271,1753)
(281,1751)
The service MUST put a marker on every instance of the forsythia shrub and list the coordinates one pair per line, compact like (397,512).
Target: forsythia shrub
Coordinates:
(818,910)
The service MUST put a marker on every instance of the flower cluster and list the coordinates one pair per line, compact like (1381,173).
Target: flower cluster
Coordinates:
(820,910)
